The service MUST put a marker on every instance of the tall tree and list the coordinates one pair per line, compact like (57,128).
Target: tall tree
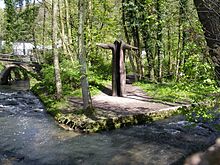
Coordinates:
(128,39)
(2,24)
(87,102)
(159,39)
(181,36)
(131,20)
(145,23)
(68,27)
(209,15)
(62,29)
(10,20)
(55,50)
(44,27)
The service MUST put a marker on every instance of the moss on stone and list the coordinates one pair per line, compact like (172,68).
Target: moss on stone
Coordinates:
(89,124)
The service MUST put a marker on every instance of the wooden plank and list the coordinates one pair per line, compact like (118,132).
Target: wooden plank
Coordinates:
(122,72)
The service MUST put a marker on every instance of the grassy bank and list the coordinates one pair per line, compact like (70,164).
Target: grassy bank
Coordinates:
(179,92)
(55,107)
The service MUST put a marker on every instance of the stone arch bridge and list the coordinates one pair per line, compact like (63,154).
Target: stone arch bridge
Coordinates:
(15,70)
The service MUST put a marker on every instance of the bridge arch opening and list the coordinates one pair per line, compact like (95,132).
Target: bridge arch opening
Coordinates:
(12,74)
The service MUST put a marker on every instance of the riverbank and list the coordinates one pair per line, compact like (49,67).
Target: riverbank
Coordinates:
(99,121)
(113,112)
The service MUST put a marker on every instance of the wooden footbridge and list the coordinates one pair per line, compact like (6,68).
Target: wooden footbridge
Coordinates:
(17,67)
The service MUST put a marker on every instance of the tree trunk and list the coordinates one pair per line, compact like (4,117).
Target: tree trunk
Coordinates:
(44,28)
(169,51)
(209,16)
(131,59)
(178,50)
(87,102)
(135,33)
(181,37)
(122,70)
(89,29)
(34,34)
(149,55)
(69,31)
(68,27)
(62,33)
(159,41)
(55,50)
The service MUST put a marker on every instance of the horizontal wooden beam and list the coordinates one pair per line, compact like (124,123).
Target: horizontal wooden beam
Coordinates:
(126,46)
(105,46)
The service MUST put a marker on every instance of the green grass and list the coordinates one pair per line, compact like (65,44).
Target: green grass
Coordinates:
(195,92)
(178,92)
(54,106)
(98,85)
(94,86)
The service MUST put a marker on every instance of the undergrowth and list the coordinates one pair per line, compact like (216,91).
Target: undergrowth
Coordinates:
(179,92)
(201,113)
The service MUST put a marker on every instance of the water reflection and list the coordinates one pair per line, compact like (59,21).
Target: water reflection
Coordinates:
(16,85)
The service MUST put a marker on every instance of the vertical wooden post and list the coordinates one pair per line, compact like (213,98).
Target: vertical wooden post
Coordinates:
(122,71)
(114,69)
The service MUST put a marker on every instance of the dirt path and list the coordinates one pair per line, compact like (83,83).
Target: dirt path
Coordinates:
(136,101)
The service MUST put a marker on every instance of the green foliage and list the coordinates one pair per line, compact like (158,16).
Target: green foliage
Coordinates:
(70,75)
(48,81)
(187,93)
(10,20)
(178,92)
(97,84)
(25,22)
(100,68)
(6,48)
(53,112)
(199,113)
(197,70)
(48,57)
(2,66)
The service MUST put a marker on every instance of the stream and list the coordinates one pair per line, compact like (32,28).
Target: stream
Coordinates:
(28,135)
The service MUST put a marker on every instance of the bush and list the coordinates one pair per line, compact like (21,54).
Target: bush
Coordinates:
(197,70)
(200,113)
(70,75)
(101,67)
(48,81)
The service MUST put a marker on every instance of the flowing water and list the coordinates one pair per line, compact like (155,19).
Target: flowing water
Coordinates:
(30,136)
